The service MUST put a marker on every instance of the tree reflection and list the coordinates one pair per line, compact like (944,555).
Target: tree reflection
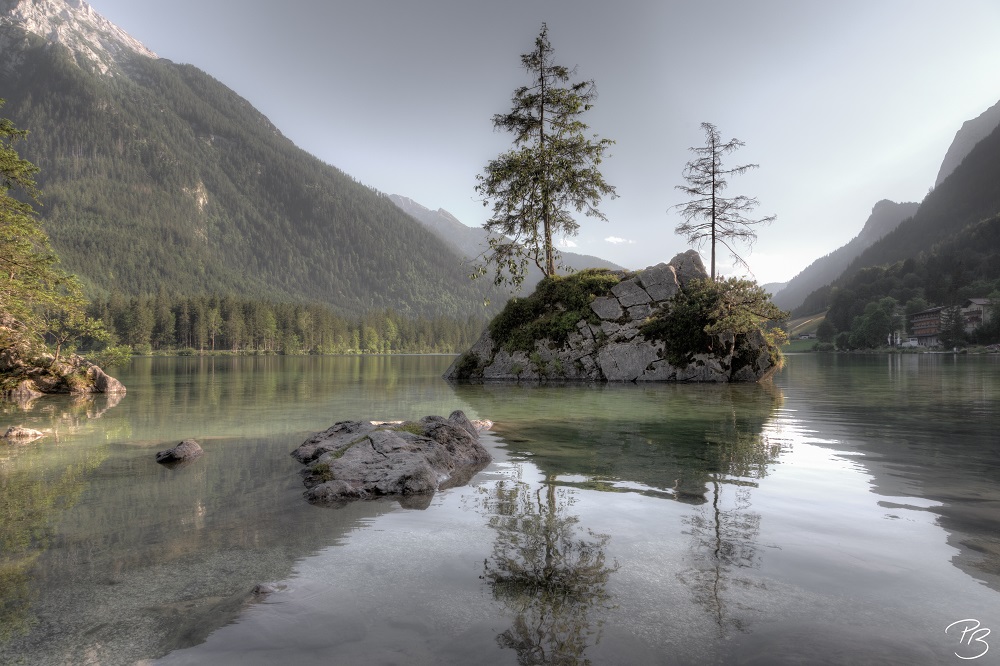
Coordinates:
(725,531)
(32,506)
(547,571)
(36,497)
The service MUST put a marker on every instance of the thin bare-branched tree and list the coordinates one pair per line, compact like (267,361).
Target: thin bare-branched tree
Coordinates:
(709,215)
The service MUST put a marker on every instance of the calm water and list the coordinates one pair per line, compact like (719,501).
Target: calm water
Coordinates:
(848,513)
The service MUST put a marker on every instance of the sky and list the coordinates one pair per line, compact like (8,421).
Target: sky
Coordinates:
(841,104)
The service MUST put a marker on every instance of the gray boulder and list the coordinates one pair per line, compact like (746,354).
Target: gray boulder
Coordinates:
(186,450)
(103,382)
(365,459)
(22,434)
(688,266)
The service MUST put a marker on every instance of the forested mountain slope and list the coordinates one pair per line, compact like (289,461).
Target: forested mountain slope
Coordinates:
(886,215)
(969,195)
(948,250)
(155,174)
(471,242)
(972,132)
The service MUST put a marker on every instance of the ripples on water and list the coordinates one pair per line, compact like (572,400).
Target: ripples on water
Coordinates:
(849,511)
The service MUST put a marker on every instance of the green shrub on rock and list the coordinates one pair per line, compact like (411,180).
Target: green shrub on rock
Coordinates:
(553,310)
(708,314)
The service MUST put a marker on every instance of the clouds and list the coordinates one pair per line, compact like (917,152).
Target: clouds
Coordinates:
(615,240)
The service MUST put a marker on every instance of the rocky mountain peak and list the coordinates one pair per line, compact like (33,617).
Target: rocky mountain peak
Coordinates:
(886,216)
(972,132)
(73,24)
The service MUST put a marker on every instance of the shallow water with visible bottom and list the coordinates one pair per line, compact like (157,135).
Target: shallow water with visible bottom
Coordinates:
(848,512)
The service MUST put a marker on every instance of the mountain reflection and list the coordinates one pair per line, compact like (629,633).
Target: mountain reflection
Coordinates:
(547,571)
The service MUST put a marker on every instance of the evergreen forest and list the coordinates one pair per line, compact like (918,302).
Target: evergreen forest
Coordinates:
(160,177)
(946,253)
(201,324)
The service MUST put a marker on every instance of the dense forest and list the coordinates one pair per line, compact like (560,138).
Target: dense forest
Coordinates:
(199,324)
(161,176)
(962,267)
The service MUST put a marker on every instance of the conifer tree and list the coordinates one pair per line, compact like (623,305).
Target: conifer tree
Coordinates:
(710,215)
(551,170)
(38,302)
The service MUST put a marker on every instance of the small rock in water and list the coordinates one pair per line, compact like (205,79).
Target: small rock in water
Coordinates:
(186,450)
(264,589)
(22,434)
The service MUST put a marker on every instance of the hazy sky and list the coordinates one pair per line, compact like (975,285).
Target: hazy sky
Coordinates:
(840,103)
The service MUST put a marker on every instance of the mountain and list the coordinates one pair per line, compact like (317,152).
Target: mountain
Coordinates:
(885,216)
(969,195)
(155,174)
(470,242)
(972,132)
(947,251)
(773,287)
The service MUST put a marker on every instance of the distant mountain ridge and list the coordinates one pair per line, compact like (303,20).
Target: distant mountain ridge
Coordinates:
(155,175)
(470,242)
(885,216)
(969,195)
(949,248)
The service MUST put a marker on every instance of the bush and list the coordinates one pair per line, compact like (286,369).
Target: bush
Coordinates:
(112,356)
(704,310)
(552,311)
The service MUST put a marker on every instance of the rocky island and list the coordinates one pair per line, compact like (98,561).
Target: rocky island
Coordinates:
(665,323)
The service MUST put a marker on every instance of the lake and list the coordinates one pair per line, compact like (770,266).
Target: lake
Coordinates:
(848,512)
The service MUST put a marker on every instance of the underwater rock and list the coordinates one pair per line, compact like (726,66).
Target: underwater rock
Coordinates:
(21,434)
(186,450)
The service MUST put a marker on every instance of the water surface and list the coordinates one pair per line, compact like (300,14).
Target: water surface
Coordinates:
(850,511)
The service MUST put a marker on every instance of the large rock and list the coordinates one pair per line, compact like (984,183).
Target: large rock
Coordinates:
(183,452)
(22,434)
(614,349)
(368,459)
(26,374)
(103,382)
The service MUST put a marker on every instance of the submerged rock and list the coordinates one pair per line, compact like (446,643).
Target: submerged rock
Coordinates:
(366,459)
(265,589)
(186,450)
(605,341)
(21,434)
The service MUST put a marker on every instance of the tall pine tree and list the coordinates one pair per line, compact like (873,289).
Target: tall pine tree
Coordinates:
(551,170)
